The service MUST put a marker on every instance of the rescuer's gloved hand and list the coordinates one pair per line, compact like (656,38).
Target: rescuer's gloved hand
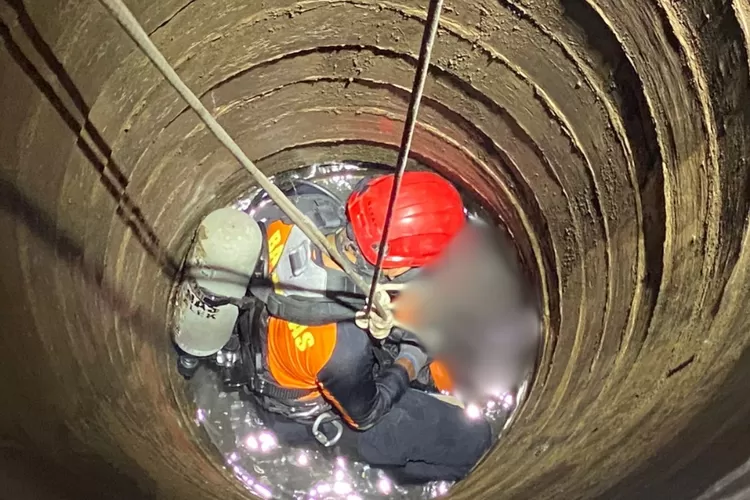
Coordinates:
(424,378)
(412,358)
(378,326)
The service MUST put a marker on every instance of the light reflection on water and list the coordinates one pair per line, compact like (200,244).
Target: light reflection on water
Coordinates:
(269,470)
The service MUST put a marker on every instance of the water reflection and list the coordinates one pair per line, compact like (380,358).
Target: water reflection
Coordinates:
(270,470)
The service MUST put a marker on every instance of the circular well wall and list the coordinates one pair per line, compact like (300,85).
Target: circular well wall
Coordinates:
(611,139)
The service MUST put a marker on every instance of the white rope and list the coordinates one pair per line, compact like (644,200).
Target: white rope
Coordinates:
(130,24)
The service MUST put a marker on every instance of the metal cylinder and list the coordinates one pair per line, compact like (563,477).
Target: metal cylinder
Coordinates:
(221,261)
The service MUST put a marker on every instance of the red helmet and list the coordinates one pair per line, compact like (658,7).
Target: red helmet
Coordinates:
(427,215)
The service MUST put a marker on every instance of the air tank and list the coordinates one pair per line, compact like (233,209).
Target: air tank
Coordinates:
(222,259)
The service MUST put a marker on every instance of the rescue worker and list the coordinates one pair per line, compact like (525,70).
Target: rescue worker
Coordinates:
(428,214)
(301,355)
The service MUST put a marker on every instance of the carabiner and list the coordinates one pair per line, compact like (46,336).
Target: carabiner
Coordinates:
(320,436)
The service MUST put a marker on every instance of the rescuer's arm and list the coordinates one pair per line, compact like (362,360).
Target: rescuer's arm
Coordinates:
(348,382)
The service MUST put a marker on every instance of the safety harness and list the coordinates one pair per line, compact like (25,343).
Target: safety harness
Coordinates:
(301,289)
(295,284)
(250,374)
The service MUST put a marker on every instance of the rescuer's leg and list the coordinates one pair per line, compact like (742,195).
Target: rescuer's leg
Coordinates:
(421,439)
(291,433)
(424,439)
(287,431)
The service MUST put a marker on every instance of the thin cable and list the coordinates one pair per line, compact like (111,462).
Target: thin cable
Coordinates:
(423,65)
(130,24)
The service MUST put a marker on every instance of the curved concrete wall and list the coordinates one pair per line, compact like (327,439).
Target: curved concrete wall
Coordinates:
(612,137)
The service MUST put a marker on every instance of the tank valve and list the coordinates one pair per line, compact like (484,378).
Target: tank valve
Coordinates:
(187,366)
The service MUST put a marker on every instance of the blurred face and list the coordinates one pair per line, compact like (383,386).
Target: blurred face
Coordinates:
(476,300)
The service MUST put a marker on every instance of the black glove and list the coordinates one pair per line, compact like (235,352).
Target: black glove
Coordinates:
(411,350)
(424,380)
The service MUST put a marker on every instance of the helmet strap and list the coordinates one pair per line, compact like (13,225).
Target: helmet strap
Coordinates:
(345,244)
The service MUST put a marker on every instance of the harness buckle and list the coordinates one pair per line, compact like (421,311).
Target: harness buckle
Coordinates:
(318,433)
(313,410)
